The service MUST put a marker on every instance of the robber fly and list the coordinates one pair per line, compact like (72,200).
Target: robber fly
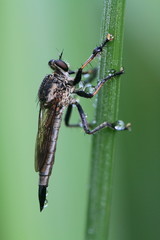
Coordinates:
(55,94)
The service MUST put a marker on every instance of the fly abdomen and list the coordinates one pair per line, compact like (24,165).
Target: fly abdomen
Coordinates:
(46,169)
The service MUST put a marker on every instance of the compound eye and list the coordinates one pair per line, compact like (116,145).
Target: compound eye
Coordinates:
(61,65)
(51,63)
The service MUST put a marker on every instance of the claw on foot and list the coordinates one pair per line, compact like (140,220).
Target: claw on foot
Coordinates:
(110,37)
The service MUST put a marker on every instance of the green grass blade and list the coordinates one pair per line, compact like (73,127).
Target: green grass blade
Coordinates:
(103,145)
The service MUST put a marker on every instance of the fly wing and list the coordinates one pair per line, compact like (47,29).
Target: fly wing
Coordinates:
(45,127)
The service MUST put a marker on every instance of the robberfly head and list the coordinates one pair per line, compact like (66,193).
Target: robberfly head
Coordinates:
(58,65)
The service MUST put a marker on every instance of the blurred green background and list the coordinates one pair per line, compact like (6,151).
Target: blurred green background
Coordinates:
(33,32)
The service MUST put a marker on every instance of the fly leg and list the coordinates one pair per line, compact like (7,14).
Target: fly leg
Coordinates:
(92,73)
(68,116)
(118,125)
(95,52)
(99,85)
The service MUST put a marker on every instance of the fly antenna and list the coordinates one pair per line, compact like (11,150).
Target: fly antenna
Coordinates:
(60,56)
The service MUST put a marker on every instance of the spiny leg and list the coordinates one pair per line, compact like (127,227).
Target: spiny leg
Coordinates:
(99,85)
(92,75)
(118,125)
(95,52)
(68,116)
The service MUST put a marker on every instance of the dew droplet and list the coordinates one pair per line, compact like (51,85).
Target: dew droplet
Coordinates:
(46,192)
(81,85)
(119,125)
(46,203)
(86,75)
(89,88)
(111,71)
(80,124)
(88,85)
